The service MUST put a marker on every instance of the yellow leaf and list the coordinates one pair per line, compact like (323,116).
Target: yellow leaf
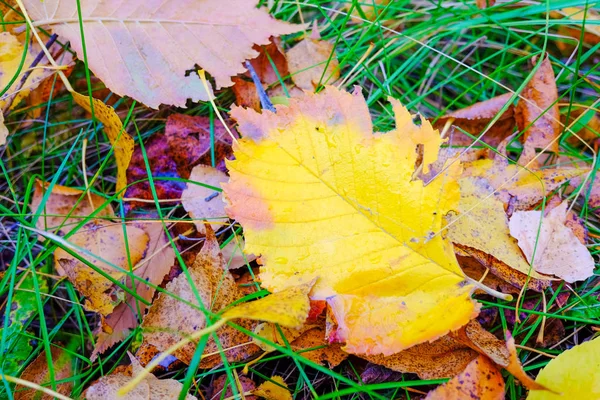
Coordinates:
(148,61)
(574,374)
(289,307)
(120,140)
(320,196)
(581,14)
(550,245)
(275,389)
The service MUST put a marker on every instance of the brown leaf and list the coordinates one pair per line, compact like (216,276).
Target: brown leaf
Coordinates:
(502,353)
(481,380)
(169,320)
(537,113)
(153,268)
(475,270)
(106,241)
(475,118)
(37,372)
(442,358)
(215,390)
(65,207)
(150,388)
(185,144)
(485,3)
(312,62)
(204,203)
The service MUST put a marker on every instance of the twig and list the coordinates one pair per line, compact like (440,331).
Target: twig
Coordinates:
(265,102)
(25,76)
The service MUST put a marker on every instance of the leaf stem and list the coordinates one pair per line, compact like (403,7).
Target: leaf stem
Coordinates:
(488,290)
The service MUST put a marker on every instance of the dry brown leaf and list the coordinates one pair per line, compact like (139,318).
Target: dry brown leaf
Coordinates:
(156,264)
(588,132)
(107,242)
(37,372)
(148,62)
(215,390)
(151,388)
(330,354)
(477,271)
(65,207)
(485,3)
(537,113)
(502,353)
(170,320)
(312,62)
(205,203)
(550,245)
(480,380)
(120,140)
(442,358)
(475,118)
(275,389)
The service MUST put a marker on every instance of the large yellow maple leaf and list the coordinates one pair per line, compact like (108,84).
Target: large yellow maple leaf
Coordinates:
(320,196)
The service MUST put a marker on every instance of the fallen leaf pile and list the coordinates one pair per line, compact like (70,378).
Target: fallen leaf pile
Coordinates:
(217,242)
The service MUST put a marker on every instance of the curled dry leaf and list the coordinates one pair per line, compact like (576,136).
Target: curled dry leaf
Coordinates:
(154,57)
(202,201)
(156,264)
(104,246)
(312,62)
(170,320)
(537,113)
(65,207)
(493,238)
(120,140)
(574,374)
(550,245)
(185,144)
(481,380)
(150,388)
(37,372)
(274,389)
(312,180)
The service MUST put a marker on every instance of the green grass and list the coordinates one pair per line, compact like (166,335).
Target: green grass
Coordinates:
(434,56)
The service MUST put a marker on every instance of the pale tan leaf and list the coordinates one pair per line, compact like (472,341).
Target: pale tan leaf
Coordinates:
(3,130)
(205,203)
(143,49)
(550,245)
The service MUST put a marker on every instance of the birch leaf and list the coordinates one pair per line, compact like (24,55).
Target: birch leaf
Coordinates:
(320,196)
(142,49)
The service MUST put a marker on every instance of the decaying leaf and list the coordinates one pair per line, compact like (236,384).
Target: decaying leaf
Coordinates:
(154,56)
(330,354)
(156,264)
(219,384)
(37,372)
(150,388)
(65,207)
(481,380)
(312,181)
(312,62)
(274,389)
(3,130)
(477,204)
(442,358)
(120,140)
(202,201)
(550,245)
(185,144)
(109,249)
(169,319)
(574,374)
(537,113)
(474,119)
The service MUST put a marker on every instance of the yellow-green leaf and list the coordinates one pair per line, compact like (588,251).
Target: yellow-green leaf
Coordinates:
(320,196)
(574,374)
